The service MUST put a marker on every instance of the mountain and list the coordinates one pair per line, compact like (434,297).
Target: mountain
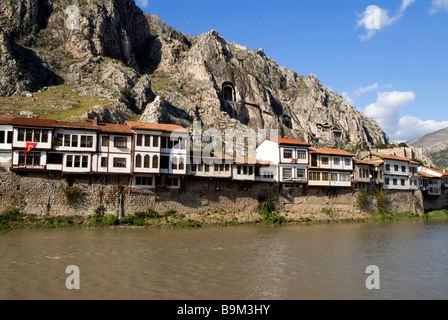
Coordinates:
(121,63)
(434,145)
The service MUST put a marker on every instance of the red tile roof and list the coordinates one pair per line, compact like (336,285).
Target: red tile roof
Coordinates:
(114,128)
(331,151)
(78,125)
(289,142)
(427,175)
(155,126)
(388,157)
(32,122)
(370,163)
(5,119)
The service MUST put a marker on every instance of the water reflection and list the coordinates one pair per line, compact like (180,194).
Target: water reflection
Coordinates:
(304,262)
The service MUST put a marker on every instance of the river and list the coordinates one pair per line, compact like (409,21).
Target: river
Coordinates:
(325,261)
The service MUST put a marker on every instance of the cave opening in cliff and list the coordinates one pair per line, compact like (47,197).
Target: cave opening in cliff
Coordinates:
(228,91)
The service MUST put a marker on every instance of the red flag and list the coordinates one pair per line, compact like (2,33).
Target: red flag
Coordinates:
(29,146)
(294,160)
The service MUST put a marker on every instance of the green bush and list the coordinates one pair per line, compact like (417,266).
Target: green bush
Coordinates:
(362,199)
(169,213)
(110,220)
(269,216)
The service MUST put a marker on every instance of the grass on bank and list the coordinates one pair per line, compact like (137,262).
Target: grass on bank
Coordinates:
(14,219)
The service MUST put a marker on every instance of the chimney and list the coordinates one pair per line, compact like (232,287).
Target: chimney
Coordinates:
(95,120)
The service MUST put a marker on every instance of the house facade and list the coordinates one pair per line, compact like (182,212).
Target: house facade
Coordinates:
(330,167)
(6,134)
(290,157)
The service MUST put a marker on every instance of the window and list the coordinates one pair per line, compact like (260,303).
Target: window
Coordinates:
(9,137)
(144,181)
(21,135)
(147,161)
(251,170)
(387,181)
(301,155)
(104,141)
(155,162)
(345,177)
(227,167)
(147,141)
(325,176)
(44,136)
(403,169)
(85,162)
(119,163)
(77,162)
(334,177)
(36,136)
(74,141)
(174,164)
(268,175)
(387,167)
(173,182)
(395,182)
(86,141)
(138,161)
(403,182)
(2,136)
(336,161)
(300,173)
(396,167)
(245,170)
(29,135)
(181,164)
(69,161)
(29,159)
(238,171)
(66,140)
(103,162)
(325,161)
(120,142)
(155,142)
(193,168)
(348,162)
(55,158)
(206,167)
(139,140)
(287,154)
(315,176)
(287,173)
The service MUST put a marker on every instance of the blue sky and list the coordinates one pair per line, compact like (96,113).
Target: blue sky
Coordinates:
(388,58)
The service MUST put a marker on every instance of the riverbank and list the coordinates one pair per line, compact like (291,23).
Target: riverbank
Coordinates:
(14,219)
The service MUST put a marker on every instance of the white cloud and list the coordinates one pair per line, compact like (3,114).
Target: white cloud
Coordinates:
(386,110)
(142,3)
(410,127)
(361,91)
(375,18)
(439,5)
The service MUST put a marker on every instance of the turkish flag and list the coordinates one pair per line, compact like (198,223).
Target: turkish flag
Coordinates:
(29,146)
(294,160)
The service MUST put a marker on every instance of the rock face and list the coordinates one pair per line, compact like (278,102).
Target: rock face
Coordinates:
(434,145)
(112,49)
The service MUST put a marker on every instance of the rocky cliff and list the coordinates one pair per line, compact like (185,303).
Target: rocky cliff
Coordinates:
(143,68)
(434,145)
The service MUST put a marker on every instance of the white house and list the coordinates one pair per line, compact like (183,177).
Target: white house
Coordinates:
(289,156)
(6,133)
(114,149)
(75,147)
(160,154)
(431,180)
(27,131)
(396,172)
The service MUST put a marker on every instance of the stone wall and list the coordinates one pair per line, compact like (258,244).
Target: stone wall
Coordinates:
(43,194)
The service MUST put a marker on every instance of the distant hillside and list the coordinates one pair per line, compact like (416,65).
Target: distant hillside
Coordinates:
(434,145)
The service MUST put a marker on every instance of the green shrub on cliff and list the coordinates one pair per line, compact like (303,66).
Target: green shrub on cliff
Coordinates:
(73,194)
(269,216)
